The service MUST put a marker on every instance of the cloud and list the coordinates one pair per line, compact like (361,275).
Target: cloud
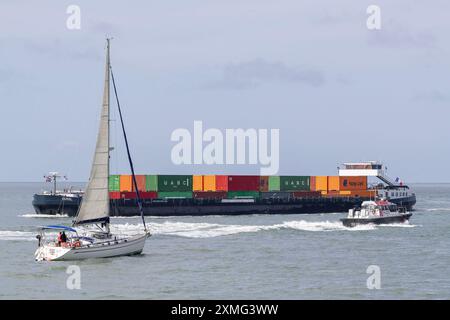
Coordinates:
(430,96)
(256,72)
(5,74)
(391,35)
(56,48)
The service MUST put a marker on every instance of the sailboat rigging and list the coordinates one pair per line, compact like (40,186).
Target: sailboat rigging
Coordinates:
(139,200)
(94,210)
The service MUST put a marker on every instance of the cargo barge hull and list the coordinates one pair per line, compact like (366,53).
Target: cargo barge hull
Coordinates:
(195,207)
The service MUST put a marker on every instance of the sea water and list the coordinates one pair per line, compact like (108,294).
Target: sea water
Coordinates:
(240,257)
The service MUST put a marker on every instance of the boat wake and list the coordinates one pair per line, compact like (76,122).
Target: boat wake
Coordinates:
(17,235)
(437,209)
(35,215)
(211,230)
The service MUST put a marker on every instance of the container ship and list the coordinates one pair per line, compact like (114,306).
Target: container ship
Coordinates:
(178,195)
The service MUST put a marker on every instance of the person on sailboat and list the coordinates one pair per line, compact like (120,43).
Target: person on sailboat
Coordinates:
(62,238)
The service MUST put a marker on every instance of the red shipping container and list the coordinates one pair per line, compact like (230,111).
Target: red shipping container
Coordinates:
(128,195)
(221,183)
(114,195)
(312,183)
(210,195)
(140,180)
(243,183)
(148,194)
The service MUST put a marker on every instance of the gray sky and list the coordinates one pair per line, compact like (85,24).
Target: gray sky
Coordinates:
(336,90)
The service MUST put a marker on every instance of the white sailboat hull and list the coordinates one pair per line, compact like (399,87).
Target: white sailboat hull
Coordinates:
(104,249)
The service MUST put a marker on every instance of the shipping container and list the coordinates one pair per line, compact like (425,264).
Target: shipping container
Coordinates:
(243,194)
(321,183)
(353,183)
(294,183)
(243,183)
(307,194)
(209,183)
(197,183)
(175,195)
(148,194)
(114,195)
(210,195)
(174,183)
(274,183)
(114,183)
(125,183)
(140,180)
(221,183)
(127,195)
(264,183)
(276,195)
(333,183)
(151,183)
(330,194)
(312,183)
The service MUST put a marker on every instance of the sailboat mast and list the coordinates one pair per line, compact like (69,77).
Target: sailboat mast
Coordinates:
(107,95)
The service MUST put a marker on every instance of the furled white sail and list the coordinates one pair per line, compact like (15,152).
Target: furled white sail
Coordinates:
(95,203)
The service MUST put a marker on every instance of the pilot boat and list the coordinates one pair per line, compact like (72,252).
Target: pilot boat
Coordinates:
(376,212)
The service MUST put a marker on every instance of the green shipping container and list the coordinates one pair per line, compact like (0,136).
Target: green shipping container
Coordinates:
(151,183)
(274,183)
(243,194)
(114,183)
(170,183)
(166,195)
(294,183)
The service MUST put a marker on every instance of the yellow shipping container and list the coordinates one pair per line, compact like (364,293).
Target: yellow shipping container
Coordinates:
(209,183)
(197,183)
(126,183)
(333,183)
(321,183)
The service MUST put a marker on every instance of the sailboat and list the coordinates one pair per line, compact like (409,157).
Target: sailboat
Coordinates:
(90,235)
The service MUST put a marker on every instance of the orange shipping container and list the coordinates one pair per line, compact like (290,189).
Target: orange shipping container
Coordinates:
(209,183)
(197,183)
(353,183)
(333,183)
(221,183)
(321,183)
(140,180)
(125,183)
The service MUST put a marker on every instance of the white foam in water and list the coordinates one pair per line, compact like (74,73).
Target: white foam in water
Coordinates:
(17,236)
(35,215)
(208,230)
(405,224)
(438,209)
